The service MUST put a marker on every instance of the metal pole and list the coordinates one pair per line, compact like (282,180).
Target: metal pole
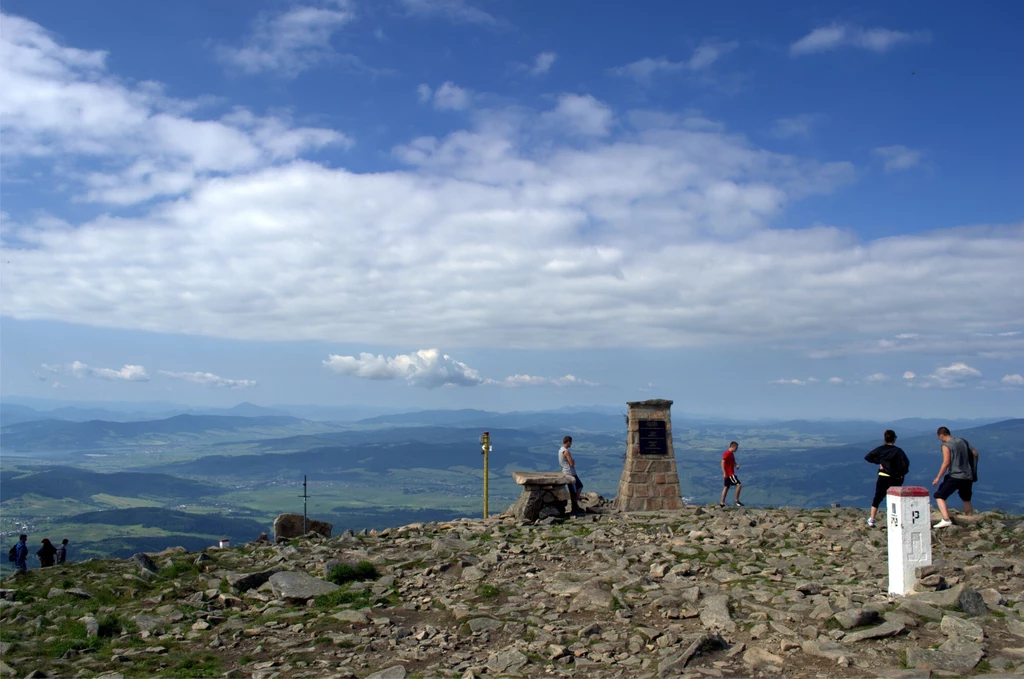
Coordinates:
(486,440)
(304,496)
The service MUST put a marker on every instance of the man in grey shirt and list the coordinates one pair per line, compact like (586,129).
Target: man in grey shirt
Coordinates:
(960,466)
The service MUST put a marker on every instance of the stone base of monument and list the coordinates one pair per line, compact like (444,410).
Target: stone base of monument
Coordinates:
(290,526)
(544,494)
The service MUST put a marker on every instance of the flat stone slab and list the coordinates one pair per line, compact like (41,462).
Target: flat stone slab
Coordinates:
(297,585)
(541,478)
(886,629)
(928,659)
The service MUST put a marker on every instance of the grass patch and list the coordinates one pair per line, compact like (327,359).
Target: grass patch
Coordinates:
(346,572)
(343,597)
(487,591)
(178,569)
(616,604)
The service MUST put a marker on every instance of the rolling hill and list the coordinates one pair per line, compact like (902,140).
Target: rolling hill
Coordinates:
(43,435)
(81,485)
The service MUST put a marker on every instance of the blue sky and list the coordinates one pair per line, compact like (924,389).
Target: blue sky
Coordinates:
(812,212)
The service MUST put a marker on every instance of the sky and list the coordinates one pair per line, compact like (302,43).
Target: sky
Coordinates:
(756,210)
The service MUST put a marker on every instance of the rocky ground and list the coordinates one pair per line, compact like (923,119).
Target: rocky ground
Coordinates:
(701,592)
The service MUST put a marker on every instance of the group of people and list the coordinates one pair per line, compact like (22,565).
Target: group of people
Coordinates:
(957,474)
(48,554)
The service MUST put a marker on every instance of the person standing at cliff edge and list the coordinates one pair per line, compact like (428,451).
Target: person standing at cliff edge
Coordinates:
(568,467)
(729,468)
(893,465)
(960,465)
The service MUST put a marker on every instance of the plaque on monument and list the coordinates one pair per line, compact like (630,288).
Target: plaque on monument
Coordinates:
(652,437)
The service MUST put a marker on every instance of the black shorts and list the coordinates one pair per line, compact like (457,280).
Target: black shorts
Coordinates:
(882,486)
(964,487)
(732,481)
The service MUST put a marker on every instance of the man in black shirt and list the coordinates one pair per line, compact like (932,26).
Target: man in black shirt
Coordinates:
(893,465)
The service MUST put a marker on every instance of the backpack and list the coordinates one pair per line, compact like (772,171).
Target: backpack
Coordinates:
(13,554)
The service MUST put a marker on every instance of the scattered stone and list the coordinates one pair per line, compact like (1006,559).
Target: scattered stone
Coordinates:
(243,582)
(296,585)
(758,658)
(479,625)
(958,627)
(886,629)
(506,661)
(715,614)
(675,664)
(856,617)
(144,562)
(972,603)
(393,672)
(354,617)
(929,659)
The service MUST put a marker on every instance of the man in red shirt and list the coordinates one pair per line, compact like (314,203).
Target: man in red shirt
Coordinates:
(729,468)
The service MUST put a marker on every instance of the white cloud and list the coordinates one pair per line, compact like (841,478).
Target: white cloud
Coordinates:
(877,378)
(210,380)
(451,97)
(794,382)
(645,229)
(457,11)
(532,381)
(909,375)
(1013,380)
(898,157)
(124,145)
(128,373)
(836,380)
(290,42)
(644,70)
(800,126)
(543,63)
(834,36)
(953,376)
(582,115)
(426,368)
(447,97)
(907,336)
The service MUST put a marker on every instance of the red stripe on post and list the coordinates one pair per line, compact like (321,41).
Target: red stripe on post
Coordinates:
(908,491)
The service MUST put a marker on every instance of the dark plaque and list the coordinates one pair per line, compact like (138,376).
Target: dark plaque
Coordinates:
(653,437)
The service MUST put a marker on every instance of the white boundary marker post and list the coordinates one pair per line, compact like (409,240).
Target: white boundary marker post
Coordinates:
(910,536)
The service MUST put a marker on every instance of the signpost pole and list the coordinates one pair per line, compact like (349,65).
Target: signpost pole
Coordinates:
(304,496)
(485,440)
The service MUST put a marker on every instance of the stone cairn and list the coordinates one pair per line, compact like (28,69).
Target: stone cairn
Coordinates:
(649,480)
(544,494)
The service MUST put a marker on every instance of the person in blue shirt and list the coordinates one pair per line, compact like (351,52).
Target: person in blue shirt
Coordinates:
(21,554)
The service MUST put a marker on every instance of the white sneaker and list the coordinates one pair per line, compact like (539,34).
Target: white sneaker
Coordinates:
(871,523)
(945,523)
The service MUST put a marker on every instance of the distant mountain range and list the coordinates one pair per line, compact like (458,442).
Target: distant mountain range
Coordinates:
(43,435)
(27,410)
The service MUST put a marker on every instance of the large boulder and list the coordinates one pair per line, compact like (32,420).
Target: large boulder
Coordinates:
(290,526)
(296,585)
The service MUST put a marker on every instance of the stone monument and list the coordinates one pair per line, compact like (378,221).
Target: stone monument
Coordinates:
(649,479)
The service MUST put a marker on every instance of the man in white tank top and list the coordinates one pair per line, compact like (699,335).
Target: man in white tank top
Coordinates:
(568,467)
